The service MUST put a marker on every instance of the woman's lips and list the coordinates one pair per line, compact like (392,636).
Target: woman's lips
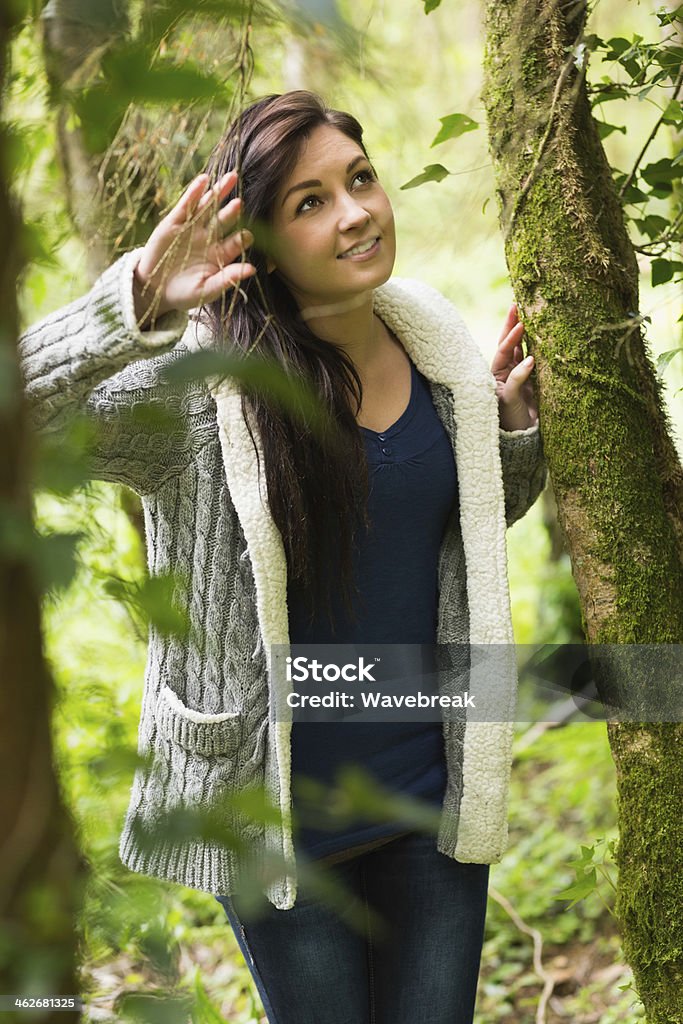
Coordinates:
(359,257)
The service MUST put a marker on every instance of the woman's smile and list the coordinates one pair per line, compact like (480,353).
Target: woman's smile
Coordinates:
(362,251)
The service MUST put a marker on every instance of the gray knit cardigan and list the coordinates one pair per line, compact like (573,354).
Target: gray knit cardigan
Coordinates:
(206,726)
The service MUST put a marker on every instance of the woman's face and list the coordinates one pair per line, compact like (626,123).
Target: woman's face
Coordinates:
(331,204)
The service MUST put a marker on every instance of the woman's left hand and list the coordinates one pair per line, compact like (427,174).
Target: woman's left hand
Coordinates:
(516,406)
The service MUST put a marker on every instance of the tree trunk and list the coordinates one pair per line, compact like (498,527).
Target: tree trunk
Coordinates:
(40,871)
(74,32)
(617,479)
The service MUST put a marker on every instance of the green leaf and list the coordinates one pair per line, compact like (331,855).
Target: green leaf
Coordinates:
(431,5)
(632,67)
(152,1008)
(581,888)
(653,226)
(155,597)
(660,174)
(673,113)
(54,560)
(669,57)
(668,17)
(678,159)
(254,803)
(664,270)
(130,78)
(34,242)
(605,129)
(453,126)
(99,114)
(204,1012)
(152,601)
(263,375)
(664,358)
(643,93)
(617,46)
(432,172)
(585,859)
(633,196)
(614,92)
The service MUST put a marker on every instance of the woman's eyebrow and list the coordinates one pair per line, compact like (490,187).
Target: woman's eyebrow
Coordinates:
(315,183)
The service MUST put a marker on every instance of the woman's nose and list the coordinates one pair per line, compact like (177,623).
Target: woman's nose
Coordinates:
(352,215)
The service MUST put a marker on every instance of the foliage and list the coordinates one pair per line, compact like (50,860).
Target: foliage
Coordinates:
(453,126)
(140,936)
(651,71)
(433,172)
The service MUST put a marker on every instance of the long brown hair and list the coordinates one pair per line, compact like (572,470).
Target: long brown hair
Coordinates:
(317,481)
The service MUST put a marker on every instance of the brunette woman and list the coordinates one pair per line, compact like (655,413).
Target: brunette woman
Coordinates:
(384,526)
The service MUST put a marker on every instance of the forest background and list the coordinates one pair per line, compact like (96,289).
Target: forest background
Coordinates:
(403,72)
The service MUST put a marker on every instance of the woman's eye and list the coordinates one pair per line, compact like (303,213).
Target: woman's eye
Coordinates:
(310,202)
(367,175)
(303,205)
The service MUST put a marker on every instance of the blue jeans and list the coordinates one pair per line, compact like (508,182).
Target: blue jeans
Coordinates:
(310,967)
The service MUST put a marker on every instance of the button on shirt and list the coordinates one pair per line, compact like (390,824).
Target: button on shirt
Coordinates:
(413,487)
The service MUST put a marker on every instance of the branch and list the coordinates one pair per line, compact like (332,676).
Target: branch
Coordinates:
(670,235)
(677,89)
(546,978)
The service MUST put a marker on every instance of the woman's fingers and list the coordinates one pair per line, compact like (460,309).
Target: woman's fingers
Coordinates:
(218,192)
(185,205)
(227,216)
(511,320)
(514,335)
(230,249)
(237,242)
(519,375)
(215,285)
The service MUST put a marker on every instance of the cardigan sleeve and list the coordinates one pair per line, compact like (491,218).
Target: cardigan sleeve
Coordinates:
(524,470)
(75,363)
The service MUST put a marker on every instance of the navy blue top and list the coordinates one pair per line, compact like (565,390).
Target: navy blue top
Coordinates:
(413,487)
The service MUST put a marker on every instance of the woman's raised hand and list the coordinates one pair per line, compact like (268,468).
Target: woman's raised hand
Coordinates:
(512,372)
(193,255)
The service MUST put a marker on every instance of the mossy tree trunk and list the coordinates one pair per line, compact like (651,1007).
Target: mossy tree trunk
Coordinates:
(616,476)
(40,870)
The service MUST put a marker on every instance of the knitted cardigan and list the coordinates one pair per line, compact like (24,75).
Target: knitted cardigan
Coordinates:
(206,727)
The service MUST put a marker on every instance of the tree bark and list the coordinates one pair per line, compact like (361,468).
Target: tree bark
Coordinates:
(40,870)
(74,33)
(616,475)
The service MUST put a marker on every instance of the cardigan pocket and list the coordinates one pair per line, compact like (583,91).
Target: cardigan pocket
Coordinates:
(200,762)
(194,731)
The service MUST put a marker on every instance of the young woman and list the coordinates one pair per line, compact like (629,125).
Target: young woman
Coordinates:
(385,526)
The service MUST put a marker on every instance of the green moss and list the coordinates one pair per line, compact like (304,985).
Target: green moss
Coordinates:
(613,465)
(650,895)
(575,278)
